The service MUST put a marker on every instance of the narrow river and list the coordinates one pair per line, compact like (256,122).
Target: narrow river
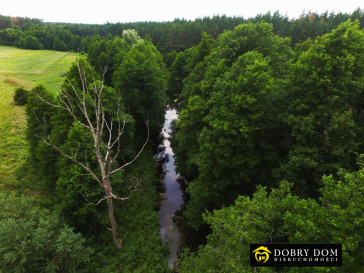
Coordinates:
(172,198)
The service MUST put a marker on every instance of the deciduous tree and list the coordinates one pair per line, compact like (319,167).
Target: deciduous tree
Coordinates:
(84,101)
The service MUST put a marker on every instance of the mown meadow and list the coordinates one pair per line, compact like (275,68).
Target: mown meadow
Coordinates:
(23,68)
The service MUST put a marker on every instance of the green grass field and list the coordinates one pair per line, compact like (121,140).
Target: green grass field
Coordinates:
(23,68)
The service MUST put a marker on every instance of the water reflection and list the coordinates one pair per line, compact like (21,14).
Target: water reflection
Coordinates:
(173,195)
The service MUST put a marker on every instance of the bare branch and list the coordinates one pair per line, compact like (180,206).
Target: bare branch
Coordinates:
(47,102)
(131,192)
(74,89)
(96,204)
(80,102)
(48,142)
(138,154)
(100,201)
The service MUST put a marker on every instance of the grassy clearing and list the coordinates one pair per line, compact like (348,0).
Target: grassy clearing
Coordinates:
(23,68)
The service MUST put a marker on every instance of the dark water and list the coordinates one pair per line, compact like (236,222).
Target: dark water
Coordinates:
(173,195)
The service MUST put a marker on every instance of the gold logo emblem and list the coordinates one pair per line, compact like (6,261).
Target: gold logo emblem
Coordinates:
(262,254)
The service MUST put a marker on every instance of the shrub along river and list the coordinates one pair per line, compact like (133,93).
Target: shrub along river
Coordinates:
(172,198)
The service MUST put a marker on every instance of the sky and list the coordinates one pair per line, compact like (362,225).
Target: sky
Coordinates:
(100,12)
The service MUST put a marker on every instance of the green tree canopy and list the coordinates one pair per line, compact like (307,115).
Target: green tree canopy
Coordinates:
(21,96)
(280,217)
(325,108)
(141,79)
(230,105)
(34,240)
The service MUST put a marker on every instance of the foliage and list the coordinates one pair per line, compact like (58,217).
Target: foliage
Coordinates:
(131,36)
(30,42)
(280,217)
(79,200)
(141,80)
(34,240)
(178,72)
(324,110)
(74,188)
(21,96)
(142,250)
(253,111)
(177,35)
(106,56)
(39,115)
(240,118)
(231,98)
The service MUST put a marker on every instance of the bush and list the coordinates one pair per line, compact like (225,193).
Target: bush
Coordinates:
(33,239)
(21,96)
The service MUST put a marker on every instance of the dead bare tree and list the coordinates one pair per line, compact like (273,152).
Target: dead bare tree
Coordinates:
(106,135)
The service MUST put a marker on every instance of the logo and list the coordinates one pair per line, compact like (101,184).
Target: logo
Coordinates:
(262,254)
(290,254)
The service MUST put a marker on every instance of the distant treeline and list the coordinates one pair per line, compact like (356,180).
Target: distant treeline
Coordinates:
(177,35)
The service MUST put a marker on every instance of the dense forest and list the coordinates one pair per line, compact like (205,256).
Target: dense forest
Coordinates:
(178,35)
(255,112)
(268,143)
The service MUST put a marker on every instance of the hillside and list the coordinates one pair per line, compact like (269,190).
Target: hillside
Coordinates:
(23,68)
